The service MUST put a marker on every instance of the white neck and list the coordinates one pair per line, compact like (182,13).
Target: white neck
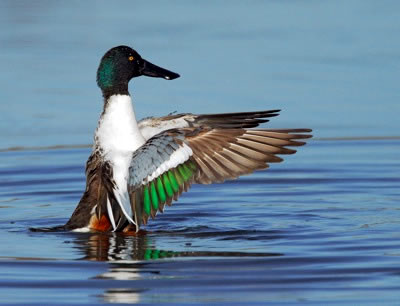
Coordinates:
(117,130)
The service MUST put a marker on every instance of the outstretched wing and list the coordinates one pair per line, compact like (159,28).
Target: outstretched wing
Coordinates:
(171,161)
(150,127)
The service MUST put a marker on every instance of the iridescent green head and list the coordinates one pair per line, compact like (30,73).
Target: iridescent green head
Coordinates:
(120,64)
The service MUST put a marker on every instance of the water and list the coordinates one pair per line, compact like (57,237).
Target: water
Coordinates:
(320,228)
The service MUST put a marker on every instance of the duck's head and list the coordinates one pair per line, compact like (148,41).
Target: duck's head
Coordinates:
(120,64)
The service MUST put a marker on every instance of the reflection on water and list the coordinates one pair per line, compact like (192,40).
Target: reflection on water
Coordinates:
(103,247)
(116,247)
(128,255)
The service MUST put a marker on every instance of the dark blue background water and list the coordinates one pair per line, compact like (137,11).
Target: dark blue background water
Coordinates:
(323,227)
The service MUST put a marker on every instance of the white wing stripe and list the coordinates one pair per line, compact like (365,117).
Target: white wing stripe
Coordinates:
(178,157)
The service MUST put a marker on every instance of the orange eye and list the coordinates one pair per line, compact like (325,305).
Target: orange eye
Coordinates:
(131,58)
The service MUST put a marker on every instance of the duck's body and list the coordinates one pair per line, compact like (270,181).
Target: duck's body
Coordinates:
(137,167)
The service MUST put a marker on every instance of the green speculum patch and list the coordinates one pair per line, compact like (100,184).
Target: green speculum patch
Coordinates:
(156,192)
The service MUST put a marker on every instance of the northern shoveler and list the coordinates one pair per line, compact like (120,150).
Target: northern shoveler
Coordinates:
(137,167)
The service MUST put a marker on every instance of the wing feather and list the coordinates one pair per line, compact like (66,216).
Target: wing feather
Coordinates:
(228,153)
(161,170)
(98,199)
(150,127)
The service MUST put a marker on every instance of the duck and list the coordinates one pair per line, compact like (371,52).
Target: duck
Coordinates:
(137,168)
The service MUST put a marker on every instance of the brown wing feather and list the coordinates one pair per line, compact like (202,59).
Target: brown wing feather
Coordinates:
(234,120)
(228,153)
(99,186)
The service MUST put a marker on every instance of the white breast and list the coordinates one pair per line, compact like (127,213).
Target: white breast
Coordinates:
(119,136)
(118,129)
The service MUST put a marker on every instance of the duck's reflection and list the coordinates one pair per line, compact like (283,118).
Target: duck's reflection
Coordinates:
(114,247)
(130,259)
(126,255)
(124,249)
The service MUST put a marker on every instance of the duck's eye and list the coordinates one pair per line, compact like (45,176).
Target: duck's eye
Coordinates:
(131,58)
